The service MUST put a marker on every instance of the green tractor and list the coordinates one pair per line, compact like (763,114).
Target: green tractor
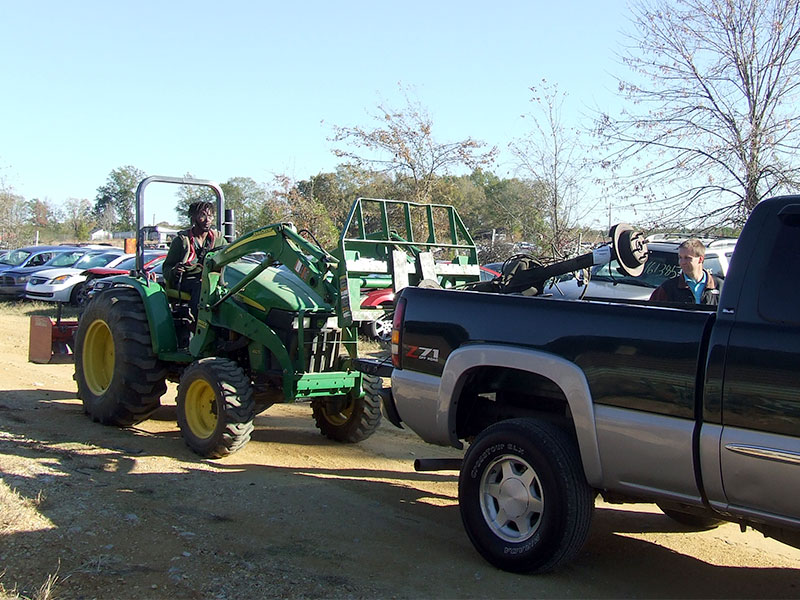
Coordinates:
(276,322)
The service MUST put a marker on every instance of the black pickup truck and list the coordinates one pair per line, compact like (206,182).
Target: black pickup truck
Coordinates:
(696,410)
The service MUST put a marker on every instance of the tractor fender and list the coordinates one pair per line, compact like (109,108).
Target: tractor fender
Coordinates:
(156,307)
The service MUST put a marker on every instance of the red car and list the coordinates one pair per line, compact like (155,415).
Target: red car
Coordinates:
(152,263)
(381,328)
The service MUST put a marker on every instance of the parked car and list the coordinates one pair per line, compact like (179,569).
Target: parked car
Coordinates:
(381,328)
(14,280)
(606,281)
(96,276)
(64,284)
(662,263)
(30,256)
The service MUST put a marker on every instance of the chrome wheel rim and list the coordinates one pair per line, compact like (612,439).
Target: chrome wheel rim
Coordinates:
(511,498)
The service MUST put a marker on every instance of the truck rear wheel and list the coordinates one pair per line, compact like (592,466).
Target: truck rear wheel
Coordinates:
(350,419)
(215,407)
(523,497)
(120,379)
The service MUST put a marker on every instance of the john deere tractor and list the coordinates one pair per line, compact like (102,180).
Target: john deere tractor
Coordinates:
(276,322)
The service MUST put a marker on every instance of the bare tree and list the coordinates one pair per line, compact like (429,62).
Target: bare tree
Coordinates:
(13,213)
(714,126)
(551,157)
(403,146)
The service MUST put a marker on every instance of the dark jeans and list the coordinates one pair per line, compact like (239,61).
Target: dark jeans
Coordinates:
(191,285)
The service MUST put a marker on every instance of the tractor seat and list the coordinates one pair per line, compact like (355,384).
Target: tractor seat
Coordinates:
(177,296)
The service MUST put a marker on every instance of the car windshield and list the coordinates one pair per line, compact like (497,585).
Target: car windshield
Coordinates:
(88,261)
(16,258)
(65,259)
(127,264)
(659,267)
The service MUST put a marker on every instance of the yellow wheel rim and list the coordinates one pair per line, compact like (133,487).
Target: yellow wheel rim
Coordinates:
(201,409)
(339,418)
(98,357)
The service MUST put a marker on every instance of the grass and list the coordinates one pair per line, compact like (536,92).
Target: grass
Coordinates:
(18,513)
(26,308)
(47,591)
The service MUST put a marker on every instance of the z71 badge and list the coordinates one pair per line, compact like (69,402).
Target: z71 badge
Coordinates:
(422,353)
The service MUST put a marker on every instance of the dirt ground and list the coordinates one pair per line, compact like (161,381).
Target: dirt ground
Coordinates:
(112,513)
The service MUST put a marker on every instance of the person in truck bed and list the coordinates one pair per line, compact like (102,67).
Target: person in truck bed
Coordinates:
(694,284)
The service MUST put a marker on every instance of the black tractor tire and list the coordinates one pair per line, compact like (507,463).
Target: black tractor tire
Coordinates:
(523,496)
(350,420)
(690,520)
(120,379)
(216,407)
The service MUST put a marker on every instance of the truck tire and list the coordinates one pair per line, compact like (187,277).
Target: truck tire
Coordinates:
(215,407)
(350,420)
(690,520)
(120,379)
(523,497)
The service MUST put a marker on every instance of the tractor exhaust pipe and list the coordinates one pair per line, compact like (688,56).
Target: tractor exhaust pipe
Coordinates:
(437,464)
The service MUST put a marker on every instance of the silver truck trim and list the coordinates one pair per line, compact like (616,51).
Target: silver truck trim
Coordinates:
(647,454)
(416,398)
(792,458)
(565,374)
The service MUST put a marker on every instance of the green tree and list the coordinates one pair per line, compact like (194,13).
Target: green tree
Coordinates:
(41,213)
(78,217)
(115,204)
(249,201)
(187,194)
(712,126)
(306,213)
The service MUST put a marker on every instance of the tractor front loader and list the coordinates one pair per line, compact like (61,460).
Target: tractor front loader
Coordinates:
(274,324)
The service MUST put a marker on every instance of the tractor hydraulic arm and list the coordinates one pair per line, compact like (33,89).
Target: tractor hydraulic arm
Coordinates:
(282,244)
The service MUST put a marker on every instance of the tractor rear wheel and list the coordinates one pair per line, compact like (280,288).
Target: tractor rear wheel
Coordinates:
(216,407)
(120,379)
(350,419)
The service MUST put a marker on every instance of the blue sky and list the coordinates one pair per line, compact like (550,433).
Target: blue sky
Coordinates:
(253,88)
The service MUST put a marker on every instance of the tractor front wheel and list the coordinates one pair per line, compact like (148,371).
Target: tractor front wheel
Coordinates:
(216,407)
(350,419)
(120,379)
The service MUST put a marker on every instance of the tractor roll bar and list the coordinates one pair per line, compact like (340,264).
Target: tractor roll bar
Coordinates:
(179,181)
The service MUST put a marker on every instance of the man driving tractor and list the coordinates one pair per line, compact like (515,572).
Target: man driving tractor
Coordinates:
(183,265)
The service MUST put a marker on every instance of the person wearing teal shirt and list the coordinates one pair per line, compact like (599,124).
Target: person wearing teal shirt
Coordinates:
(694,284)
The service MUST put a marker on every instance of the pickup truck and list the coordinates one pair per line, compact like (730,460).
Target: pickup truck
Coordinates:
(694,408)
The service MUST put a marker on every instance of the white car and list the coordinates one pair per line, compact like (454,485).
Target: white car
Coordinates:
(662,264)
(607,283)
(64,284)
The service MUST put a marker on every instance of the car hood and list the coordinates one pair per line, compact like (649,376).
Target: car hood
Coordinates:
(50,273)
(25,270)
(105,271)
